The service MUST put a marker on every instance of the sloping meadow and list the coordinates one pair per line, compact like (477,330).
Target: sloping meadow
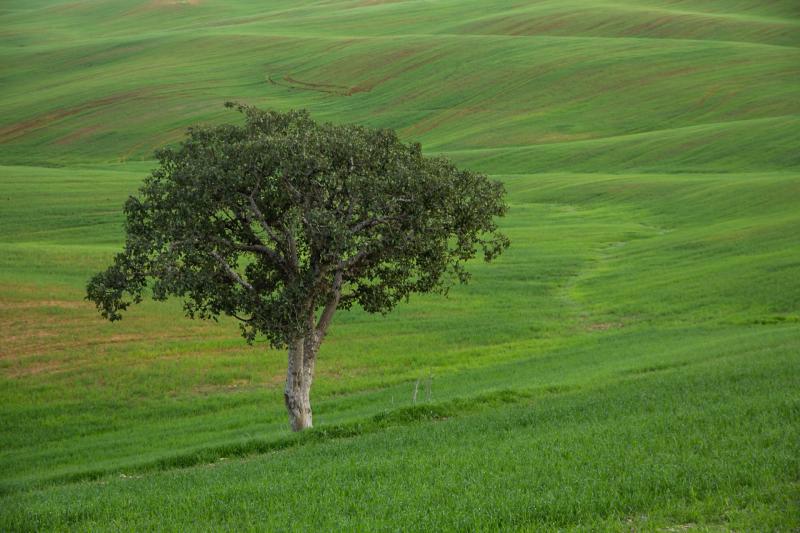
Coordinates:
(630,362)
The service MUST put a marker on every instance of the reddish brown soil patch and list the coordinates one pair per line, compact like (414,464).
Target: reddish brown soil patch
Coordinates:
(77,135)
(32,344)
(61,304)
(25,127)
(33,369)
(272,382)
(603,326)
(27,337)
(123,338)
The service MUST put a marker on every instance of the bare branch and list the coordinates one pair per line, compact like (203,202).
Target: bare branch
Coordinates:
(366,224)
(260,217)
(260,248)
(292,257)
(237,317)
(330,307)
(291,189)
(257,248)
(346,264)
(231,272)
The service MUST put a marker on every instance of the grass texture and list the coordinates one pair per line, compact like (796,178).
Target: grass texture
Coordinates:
(631,363)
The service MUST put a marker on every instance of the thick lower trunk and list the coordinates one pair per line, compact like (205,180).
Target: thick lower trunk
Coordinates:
(299,375)
(303,358)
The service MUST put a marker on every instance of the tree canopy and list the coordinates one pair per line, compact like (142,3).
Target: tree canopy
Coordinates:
(281,221)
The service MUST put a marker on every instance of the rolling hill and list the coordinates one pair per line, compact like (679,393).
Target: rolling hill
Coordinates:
(631,363)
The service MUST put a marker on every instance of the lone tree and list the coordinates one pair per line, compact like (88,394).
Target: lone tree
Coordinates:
(282,221)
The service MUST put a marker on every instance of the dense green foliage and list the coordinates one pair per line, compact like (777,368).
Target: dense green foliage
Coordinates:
(631,362)
(321,216)
(281,222)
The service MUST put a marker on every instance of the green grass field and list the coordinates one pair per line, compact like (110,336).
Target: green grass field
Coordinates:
(631,363)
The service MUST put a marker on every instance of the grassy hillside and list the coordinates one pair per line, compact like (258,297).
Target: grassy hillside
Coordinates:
(630,362)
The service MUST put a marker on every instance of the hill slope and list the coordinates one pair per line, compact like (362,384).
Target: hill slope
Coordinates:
(632,361)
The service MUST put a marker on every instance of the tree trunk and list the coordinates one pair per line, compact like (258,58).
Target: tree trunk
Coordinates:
(295,394)
(299,375)
(303,358)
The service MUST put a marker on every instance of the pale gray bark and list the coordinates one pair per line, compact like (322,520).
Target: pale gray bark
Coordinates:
(298,386)
(299,377)
(303,359)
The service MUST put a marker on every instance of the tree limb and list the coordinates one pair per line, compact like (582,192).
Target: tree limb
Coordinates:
(237,317)
(366,224)
(231,272)
(291,255)
(257,248)
(346,264)
(291,189)
(262,221)
(293,258)
(330,307)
